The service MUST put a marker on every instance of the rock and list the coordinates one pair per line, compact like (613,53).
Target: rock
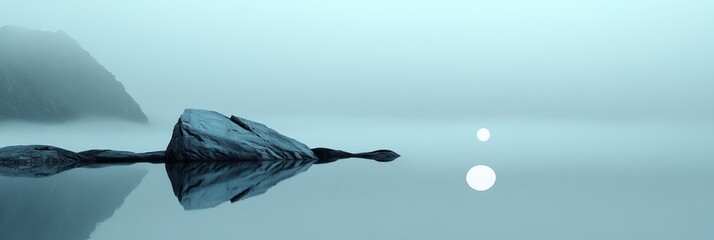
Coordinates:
(206,184)
(48,77)
(38,160)
(42,161)
(202,135)
(326,155)
(104,156)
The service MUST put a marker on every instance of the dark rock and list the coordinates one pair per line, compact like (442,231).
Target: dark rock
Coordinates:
(202,135)
(326,155)
(199,185)
(43,161)
(47,76)
(112,156)
(199,135)
(38,160)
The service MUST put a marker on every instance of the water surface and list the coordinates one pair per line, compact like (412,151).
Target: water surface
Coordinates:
(556,180)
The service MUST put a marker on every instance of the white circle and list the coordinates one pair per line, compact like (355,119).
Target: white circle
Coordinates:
(483,134)
(481,177)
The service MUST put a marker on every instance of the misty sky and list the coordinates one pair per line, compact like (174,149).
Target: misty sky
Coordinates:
(500,64)
(453,59)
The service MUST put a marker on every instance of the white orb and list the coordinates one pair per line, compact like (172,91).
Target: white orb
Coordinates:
(481,177)
(483,134)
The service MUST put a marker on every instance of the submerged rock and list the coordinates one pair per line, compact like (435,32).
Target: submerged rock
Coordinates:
(202,135)
(38,160)
(326,155)
(42,161)
(206,184)
(48,77)
(111,156)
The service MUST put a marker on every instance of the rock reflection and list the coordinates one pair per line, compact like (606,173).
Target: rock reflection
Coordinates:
(211,159)
(65,206)
(200,185)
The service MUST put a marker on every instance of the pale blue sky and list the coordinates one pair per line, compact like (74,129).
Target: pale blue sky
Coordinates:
(611,60)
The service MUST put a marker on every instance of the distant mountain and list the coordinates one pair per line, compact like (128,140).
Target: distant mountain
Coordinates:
(48,77)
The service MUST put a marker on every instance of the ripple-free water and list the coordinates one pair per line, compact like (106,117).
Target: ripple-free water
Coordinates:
(556,180)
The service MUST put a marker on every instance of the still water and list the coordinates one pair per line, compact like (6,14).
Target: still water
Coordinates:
(555,180)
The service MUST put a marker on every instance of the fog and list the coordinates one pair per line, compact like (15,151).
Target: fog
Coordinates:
(600,113)
(603,60)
